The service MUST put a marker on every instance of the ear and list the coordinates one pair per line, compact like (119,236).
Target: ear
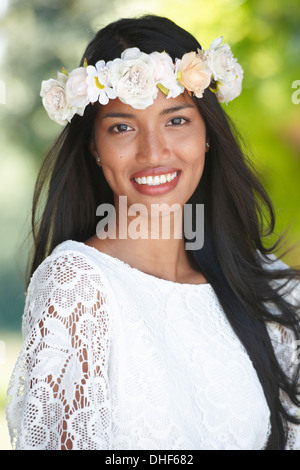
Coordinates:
(93,148)
(94,151)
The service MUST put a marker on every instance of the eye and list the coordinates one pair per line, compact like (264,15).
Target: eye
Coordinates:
(178,121)
(120,128)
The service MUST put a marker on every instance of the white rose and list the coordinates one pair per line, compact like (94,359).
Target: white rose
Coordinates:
(55,102)
(221,62)
(228,92)
(165,75)
(76,89)
(132,78)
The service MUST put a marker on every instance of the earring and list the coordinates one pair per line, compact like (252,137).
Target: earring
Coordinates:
(207,145)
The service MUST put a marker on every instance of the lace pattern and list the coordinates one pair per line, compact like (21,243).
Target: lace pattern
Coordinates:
(114,358)
(283,344)
(58,395)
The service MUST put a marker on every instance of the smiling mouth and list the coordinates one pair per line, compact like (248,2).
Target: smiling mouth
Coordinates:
(156,179)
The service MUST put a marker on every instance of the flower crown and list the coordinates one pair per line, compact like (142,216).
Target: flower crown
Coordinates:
(137,77)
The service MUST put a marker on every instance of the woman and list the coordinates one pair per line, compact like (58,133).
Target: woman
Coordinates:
(133,340)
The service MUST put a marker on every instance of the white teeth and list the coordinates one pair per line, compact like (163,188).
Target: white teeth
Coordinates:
(150,180)
(154,181)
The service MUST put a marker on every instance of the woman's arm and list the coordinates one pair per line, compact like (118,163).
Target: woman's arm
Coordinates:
(285,349)
(58,397)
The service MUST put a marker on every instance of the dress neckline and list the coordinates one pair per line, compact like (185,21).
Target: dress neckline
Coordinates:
(122,264)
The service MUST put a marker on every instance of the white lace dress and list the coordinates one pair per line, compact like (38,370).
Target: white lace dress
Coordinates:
(114,358)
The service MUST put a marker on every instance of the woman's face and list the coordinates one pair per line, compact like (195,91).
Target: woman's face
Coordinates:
(167,138)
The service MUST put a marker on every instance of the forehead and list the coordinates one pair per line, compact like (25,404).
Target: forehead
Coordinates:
(160,104)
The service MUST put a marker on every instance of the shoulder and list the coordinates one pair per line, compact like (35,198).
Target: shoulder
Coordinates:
(65,283)
(65,267)
(283,337)
(271,261)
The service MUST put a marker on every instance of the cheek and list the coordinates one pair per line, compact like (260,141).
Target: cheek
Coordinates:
(111,152)
(114,170)
(110,175)
(109,159)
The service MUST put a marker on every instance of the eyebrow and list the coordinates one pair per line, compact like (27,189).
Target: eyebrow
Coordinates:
(164,112)
(175,109)
(116,115)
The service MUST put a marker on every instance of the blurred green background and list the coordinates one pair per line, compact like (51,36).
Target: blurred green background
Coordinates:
(38,37)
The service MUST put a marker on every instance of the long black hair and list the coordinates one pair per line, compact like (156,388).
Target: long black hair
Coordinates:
(239,215)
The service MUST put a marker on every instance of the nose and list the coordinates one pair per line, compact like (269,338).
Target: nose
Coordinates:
(152,147)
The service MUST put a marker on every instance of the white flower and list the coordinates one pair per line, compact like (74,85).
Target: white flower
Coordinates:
(132,78)
(165,75)
(76,90)
(99,88)
(55,101)
(136,77)
(221,62)
(228,92)
(193,72)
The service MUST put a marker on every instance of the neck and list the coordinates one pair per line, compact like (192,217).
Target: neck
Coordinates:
(152,244)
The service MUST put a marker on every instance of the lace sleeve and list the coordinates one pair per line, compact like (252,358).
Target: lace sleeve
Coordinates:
(58,397)
(285,348)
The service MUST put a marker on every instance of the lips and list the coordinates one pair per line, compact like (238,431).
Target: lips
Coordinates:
(161,170)
(156,190)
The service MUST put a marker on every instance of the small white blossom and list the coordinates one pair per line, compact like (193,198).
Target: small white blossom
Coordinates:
(99,88)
